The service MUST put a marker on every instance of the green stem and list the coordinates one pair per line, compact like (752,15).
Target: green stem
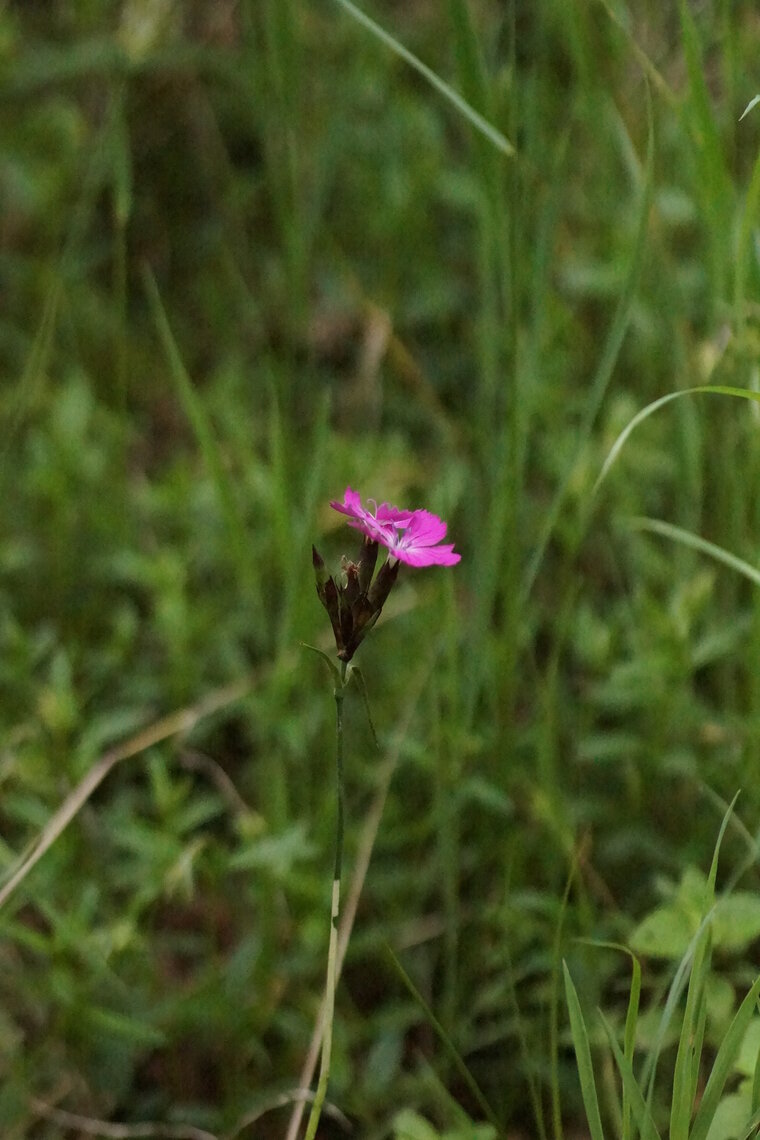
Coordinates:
(332,953)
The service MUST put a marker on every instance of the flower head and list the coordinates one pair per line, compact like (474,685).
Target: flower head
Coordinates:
(354,600)
(414,537)
(374,524)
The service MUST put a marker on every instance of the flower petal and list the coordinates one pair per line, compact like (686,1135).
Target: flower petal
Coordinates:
(427,556)
(351,505)
(413,537)
(387,513)
(425,529)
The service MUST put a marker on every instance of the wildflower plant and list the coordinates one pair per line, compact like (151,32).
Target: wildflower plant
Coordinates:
(354,601)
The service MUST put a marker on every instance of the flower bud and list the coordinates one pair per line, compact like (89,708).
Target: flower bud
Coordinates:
(383,584)
(328,594)
(367,560)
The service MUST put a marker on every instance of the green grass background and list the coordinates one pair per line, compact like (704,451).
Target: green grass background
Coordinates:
(249,256)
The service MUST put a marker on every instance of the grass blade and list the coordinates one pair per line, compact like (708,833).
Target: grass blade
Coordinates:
(650,409)
(583,1057)
(639,1107)
(356,672)
(606,366)
(201,425)
(447,1043)
(647,66)
(723,1064)
(693,1026)
(752,103)
(554,1003)
(631,1019)
(751,1127)
(495,137)
(713,181)
(695,542)
(744,243)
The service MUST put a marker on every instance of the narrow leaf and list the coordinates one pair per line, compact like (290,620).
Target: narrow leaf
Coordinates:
(327,660)
(447,1043)
(752,103)
(356,672)
(695,542)
(463,107)
(723,1064)
(639,1107)
(702,389)
(583,1058)
(607,362)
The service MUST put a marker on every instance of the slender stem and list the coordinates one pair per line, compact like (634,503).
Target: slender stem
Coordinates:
(332,953)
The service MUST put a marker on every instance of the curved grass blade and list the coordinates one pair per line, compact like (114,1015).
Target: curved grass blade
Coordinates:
(480,124)
(631,1019)
(701,389)
(752,103)
(583,1058)
(334,671)
(687,538)
(723,1064)
(640,1108)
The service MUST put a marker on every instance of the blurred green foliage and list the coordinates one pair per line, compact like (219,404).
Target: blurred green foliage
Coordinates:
(248,257)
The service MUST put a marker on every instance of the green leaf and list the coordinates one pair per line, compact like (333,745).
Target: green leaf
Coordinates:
(731,1117)
(356,672)
(749,1051)
(445,1040)
(737,922)
(650,409)
(689,1053)
(723,1064)
(639,1107)
(752,103)
(695,542)
(485,128)
(665,933)
(334,670)
(125,1027)
(583,1058)
(409,1125)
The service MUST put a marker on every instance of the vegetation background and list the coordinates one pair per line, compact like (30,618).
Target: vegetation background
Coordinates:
(249,256)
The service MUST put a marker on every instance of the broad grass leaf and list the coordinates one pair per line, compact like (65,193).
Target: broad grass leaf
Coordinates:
(665,933)
(409,1125)
(749,1051)
(737,922)
(730,1118)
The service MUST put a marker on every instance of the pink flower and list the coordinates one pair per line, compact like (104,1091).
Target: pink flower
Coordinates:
(414,537)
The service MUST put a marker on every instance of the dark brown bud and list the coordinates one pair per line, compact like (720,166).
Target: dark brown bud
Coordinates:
(367,560)
(383,584)
(352,589)
(319,567)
